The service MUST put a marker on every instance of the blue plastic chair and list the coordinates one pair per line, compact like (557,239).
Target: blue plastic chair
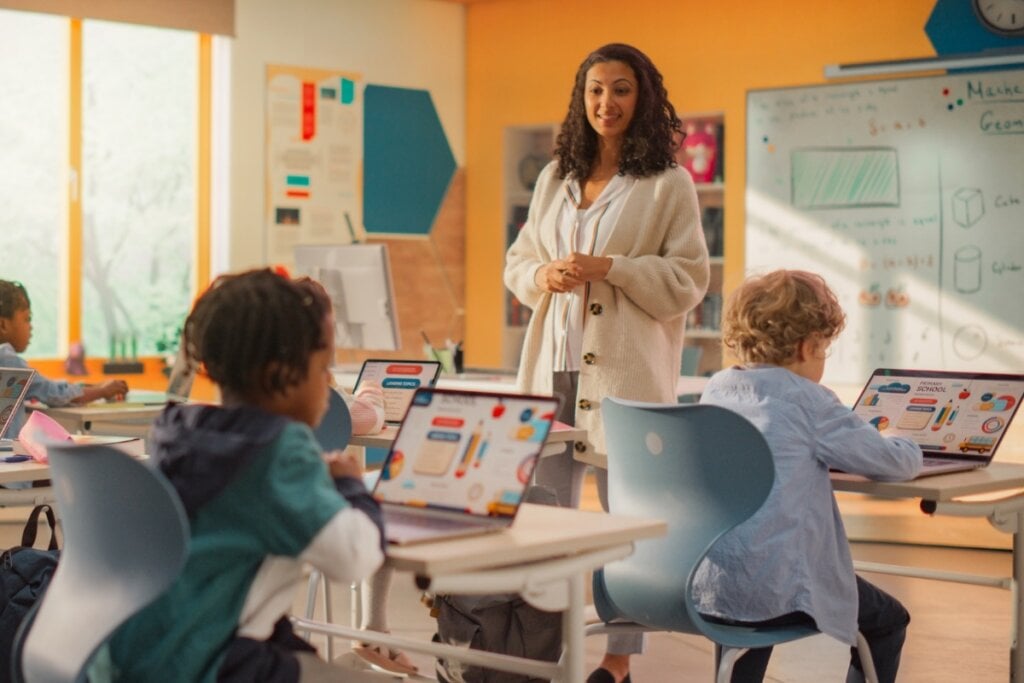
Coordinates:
(705,470)
(126,539)
(689,365)
(335,430)
(333,434)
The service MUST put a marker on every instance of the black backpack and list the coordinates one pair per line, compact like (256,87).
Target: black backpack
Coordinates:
(503,623)
(24,574)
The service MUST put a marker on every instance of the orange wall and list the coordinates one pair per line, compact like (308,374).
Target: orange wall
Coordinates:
(521,56)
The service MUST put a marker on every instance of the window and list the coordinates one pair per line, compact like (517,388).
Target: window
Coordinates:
(33,137)
(116,265)
(139,88)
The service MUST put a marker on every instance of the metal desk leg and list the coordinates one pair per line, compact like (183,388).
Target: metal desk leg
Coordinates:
(1016,652)
(573,623)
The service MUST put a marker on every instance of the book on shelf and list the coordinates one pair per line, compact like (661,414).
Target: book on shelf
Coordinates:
(702,150)
(713,221)
(707,315)
(516,314)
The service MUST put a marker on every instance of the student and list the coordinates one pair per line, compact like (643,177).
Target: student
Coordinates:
(15,333)
(790,562)
(261,497)
(366,405)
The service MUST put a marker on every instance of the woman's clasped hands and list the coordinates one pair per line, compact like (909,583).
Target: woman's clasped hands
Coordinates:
(565,275)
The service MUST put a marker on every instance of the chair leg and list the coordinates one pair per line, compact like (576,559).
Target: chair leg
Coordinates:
(311,591)
(356,604)
(725,660)
(328,615)
(867,664)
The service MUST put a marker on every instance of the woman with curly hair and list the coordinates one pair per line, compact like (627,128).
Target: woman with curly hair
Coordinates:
(610,259)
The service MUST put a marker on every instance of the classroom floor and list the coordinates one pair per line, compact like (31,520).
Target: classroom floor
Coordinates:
(958,632)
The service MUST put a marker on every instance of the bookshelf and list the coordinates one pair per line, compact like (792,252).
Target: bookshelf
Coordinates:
(527,150)
(701,153)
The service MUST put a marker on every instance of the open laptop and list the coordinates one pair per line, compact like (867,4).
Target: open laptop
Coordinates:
(399,379)
(461,463)
(179,385)
(958,418)
(14,384)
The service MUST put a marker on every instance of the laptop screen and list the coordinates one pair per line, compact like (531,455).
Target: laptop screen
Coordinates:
(961,414)
(399,379)
(14,384)
(467,451)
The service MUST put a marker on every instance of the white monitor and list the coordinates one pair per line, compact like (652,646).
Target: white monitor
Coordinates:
(358,279)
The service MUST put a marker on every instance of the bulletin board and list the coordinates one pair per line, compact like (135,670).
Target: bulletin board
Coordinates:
(908,197)
(314,148)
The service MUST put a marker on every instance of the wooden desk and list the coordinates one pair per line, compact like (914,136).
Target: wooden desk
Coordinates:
(689,384)
(546,557)
(80,419)
(30,470)
(995,493)
(555,443)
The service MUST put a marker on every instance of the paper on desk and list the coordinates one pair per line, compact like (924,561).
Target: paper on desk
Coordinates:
(39,430)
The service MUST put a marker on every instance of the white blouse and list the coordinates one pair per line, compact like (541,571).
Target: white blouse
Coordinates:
(585,231)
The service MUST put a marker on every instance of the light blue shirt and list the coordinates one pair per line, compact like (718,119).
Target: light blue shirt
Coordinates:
(793,555)
(50,392)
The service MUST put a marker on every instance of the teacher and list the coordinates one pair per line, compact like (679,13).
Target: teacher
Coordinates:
(611,257)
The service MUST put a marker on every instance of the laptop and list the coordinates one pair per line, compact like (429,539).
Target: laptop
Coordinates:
(14,384)
(958,418)
(399,379)
(179,385)
(460,463)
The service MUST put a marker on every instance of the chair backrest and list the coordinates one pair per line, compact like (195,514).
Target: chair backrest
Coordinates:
(690,362)
(335,430)
(126,540)
(704,469)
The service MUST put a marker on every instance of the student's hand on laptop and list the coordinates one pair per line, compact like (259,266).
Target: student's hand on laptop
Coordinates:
(370,391)
(342,464)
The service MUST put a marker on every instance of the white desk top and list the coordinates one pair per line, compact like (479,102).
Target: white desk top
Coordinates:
(540,532)
(997,477)
(126,413)
(30,470)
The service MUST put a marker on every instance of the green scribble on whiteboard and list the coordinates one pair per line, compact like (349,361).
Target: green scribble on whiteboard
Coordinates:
(842,177)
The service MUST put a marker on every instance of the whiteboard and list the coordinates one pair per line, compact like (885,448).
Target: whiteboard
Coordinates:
(908,197)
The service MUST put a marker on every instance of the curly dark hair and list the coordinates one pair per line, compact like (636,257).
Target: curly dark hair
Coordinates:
(653,134)
(255,331)
(13,298)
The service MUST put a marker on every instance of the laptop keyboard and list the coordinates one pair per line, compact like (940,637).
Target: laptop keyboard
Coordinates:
(424,521)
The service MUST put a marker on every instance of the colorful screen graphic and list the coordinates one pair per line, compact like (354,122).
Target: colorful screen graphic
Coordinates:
(466,451)
(945,413)
(399,379)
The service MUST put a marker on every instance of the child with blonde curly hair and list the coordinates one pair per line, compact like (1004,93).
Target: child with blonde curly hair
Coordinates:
(790,563)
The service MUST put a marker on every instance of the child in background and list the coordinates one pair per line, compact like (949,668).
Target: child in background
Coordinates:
(366,406)
(15,333)
(261,497)
(790,562)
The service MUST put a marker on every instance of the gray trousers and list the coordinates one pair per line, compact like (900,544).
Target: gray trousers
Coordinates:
(564,476)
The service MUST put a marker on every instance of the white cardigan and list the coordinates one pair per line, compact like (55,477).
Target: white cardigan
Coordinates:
(634,318)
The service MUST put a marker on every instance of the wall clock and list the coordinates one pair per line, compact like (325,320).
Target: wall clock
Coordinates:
(1005,17)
